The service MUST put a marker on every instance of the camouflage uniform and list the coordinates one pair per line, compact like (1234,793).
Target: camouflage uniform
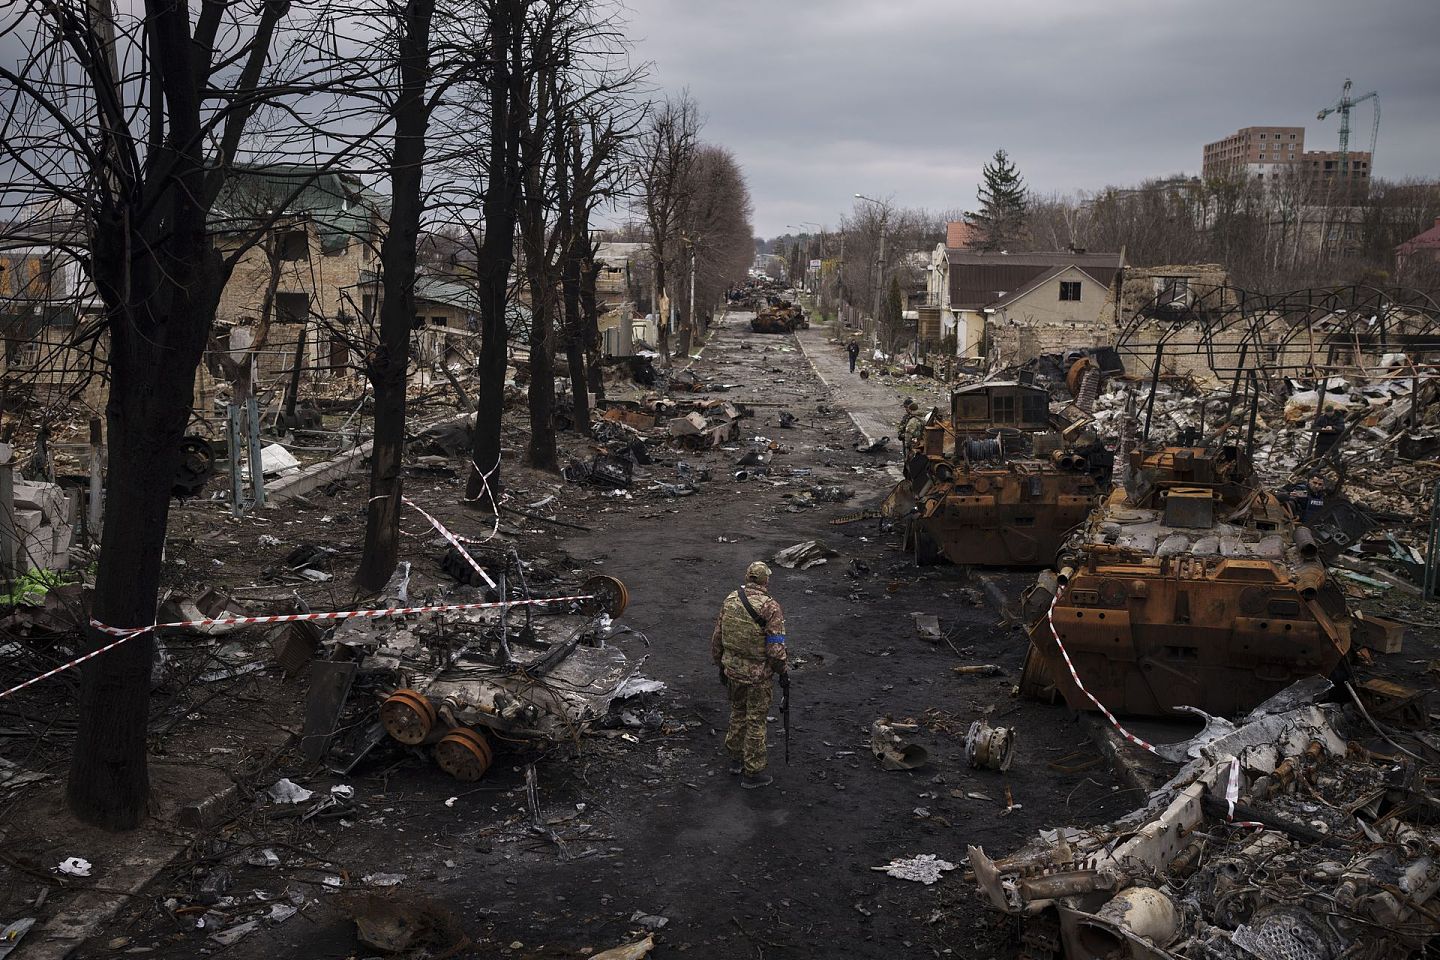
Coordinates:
(750,657)
(914,433)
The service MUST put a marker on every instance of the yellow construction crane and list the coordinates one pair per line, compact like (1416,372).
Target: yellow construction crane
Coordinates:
(1342,107)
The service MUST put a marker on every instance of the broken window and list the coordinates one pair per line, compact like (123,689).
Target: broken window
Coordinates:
(1004,409)
(339,354)
(972,408)
(1070,290)
(1035,408)
(292,307)
(293,245)
(1174,290)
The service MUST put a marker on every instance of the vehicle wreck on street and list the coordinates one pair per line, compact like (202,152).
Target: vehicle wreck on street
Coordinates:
(1283,836)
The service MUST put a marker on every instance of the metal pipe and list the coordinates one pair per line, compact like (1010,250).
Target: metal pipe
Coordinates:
(1319,411)
(1305,543)
(1254,387)
(1154,382)
(1309,578)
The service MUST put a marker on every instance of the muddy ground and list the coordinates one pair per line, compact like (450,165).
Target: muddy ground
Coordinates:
(646,827)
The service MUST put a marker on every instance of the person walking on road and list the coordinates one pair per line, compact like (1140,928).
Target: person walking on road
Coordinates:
(853,349)
(748,647)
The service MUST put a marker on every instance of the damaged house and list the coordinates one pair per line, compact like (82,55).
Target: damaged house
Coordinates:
(316,266)
(1019,305)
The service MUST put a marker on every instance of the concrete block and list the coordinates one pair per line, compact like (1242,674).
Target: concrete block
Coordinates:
(37,549)
(28,521)
(48,498)
(63,536)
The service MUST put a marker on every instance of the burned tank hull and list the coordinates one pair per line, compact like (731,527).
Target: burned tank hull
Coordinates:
(1207,596)
(779,318)
(1016,514)
(1000,483)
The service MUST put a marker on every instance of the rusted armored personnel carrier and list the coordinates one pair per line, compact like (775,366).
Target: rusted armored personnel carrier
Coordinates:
(781,317)
(1001,483)
(1195,588)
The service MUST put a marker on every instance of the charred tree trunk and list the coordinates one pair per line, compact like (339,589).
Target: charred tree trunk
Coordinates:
(590,313)
(575,337)
(388,366)
(542,386)
(157,337)
(507,94)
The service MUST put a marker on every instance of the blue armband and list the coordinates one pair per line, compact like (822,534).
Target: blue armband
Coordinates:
(775,638)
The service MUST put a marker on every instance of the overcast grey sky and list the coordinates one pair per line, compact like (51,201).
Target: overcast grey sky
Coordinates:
(821,99)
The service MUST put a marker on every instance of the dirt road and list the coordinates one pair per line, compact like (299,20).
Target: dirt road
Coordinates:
(644,825)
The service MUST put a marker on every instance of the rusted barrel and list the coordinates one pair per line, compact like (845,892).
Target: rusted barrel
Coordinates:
(1309,578)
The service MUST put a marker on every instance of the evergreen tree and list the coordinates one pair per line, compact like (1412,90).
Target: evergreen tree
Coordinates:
(1004,203)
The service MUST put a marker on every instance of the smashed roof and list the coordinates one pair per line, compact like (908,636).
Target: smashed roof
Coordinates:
(341,207)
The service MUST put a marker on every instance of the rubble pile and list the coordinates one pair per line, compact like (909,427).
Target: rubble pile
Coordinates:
(1283,837)
(1370,462)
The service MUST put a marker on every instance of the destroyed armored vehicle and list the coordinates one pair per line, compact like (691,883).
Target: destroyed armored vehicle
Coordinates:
(533,674)
(781,317)
(1192,587)
(1283,838)
(1001,483)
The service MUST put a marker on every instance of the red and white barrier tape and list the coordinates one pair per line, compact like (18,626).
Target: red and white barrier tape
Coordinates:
(1232,796)
(128,633)
(1050,617)
(454,541)
(1232,783)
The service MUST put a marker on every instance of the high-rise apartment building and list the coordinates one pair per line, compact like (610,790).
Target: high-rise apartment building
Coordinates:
(1266,153)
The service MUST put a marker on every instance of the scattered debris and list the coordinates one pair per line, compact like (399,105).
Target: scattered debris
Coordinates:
(285,791)
(1276,840)
(12,934)
(630,951)
(925,868)
(804,555)
(398,923)
(989,748)
(74,867)
(889,744)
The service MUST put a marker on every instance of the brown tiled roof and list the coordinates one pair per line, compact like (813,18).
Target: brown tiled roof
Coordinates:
(958,233)
(1428,238)
(984,279)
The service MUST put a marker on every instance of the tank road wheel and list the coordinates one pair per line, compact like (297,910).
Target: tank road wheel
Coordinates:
(607,595)
(465,754)
(407,716)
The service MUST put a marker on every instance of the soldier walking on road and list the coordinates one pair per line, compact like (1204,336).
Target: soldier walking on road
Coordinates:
(748,645)
(853,349)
